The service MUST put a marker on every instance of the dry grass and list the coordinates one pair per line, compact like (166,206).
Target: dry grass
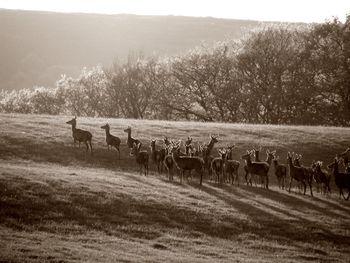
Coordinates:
(58,204)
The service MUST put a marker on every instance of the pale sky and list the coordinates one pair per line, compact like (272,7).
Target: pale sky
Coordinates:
(265,10)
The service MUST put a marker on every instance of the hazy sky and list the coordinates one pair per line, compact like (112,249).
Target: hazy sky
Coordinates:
(267,10)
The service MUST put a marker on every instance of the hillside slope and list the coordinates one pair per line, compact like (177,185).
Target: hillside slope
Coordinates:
(58,204)
(37,47)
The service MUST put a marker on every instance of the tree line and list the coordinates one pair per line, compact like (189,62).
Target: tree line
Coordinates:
(275,75)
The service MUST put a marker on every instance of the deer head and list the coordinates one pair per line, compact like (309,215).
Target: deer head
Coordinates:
(105,127)
(72,121)
(128,129)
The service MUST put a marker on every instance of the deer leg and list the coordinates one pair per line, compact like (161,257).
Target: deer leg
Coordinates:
(279,179)
(310,185)
(290,184)
(267,182)
(343,194)
(304,184)
(90,146)
(255,179)
(87,146)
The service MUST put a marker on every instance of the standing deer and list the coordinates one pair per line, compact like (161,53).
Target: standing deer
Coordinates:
(141,157)
(231,166)
(206,154)
(344,156)
(169,162)
(197,151)
(298,173)
(80,135)
(217,166)
(111,140)
(158,156)
(187,163)
(188,146)
(321,177)
(280,172)
(130,141)
(342,180)
(257,168)
(249,177)
(166,142)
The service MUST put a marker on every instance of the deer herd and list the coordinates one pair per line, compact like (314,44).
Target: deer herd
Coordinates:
(223,169)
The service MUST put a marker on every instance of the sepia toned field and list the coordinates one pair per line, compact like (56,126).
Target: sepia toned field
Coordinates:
(59,204)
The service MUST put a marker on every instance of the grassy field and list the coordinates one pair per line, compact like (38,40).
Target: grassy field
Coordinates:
(58,204)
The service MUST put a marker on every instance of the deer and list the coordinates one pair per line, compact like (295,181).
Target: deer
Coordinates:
(141,157)
(167,142)
(168,162)
(296,162)
(158,156)
(217,166)
(280,173)
(298,173)
(247,176)
(80,135)
(342,180)
(188,146)
(345,158)
(309,171)
(321,177)
(168,159)
(130,141)
(197,151)
(231,166)
(257,168)
(187,163)
(111,140)
(206,154)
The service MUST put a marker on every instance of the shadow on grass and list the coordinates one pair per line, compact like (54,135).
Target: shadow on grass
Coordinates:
(268,225)
(12,147)
(25,204)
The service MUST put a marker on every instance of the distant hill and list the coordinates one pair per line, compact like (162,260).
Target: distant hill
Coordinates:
(37,47)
